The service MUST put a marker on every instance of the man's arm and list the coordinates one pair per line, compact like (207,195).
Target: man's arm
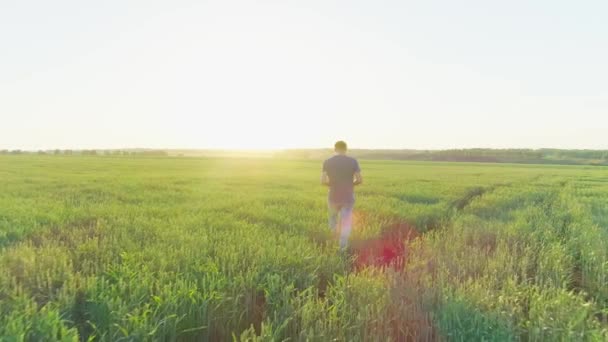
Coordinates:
(324,178)
(357,178)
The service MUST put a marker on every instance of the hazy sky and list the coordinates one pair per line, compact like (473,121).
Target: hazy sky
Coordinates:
(268,74)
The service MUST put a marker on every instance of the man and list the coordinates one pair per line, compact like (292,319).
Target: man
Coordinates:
(341,173)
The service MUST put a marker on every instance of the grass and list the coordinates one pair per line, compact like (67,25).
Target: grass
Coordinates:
(141,248)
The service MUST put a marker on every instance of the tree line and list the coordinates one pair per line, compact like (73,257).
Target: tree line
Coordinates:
(157,153)
(481,155)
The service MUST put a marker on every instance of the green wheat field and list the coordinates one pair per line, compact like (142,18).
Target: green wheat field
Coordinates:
(113,248)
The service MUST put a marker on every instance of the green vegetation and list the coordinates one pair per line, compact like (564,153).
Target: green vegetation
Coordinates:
(480,155)
(477,155)
(111,248)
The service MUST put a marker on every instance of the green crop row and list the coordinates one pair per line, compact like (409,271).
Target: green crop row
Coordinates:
(185,249)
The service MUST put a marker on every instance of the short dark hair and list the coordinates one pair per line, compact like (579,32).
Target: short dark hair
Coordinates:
(340,146)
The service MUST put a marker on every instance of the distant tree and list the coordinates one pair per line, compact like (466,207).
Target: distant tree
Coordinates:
(16,152)
(89,152)
(154,153)
(4,152)
(67,152)
(41,152)
(57,151)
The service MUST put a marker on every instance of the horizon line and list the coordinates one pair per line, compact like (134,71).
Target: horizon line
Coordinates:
(219,149)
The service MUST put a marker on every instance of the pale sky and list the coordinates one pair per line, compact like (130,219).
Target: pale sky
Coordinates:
(282,74)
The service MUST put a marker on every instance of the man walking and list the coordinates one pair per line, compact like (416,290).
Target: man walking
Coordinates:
(341,173)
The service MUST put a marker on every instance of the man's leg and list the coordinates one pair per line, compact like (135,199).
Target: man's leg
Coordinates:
(346,222)
(333,211)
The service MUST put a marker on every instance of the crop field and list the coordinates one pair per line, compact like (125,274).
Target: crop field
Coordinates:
(191,249)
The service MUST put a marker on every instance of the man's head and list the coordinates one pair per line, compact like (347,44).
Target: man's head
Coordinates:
(340,147)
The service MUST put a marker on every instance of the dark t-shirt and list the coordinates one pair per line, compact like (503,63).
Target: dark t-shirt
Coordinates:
(341,170)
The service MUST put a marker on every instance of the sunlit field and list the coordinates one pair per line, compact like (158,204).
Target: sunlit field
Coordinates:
(140,248)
